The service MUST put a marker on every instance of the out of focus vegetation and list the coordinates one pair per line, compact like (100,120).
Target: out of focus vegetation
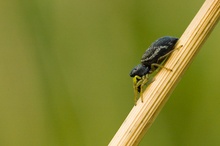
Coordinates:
(64,72)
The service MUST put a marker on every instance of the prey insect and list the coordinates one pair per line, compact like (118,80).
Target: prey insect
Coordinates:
(152,59)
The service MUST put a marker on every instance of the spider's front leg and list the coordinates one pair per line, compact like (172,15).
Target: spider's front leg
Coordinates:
(137,80)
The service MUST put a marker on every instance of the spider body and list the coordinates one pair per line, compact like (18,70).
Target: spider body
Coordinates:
(153,57)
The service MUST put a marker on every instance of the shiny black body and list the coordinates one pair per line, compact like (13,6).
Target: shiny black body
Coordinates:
(158,49)
(154,55)
(140,70)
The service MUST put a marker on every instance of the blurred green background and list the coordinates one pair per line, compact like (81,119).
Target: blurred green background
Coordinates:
(65,72)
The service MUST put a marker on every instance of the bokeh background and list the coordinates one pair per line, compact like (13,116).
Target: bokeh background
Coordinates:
(64,72)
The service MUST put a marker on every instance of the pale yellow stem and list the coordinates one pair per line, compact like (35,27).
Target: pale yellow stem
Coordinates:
(142,116)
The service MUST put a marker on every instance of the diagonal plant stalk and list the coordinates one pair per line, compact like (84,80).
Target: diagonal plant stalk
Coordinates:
(155,96)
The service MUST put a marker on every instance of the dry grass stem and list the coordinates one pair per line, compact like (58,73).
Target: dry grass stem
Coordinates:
(142,116)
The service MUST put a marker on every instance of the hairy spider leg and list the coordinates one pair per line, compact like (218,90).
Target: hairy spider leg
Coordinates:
(145,80)
(136,82)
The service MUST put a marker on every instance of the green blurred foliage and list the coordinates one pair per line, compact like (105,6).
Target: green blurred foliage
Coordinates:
(65,65)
